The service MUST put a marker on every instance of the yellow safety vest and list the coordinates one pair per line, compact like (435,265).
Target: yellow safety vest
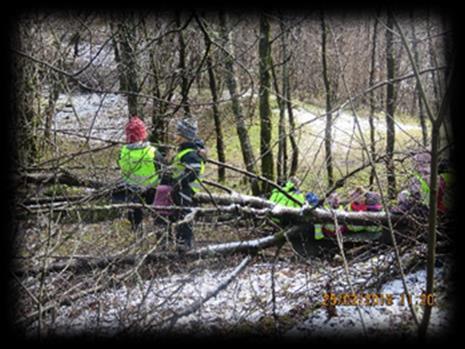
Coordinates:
(138,166)
(179,167)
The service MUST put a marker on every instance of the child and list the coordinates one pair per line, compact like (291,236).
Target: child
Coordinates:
(140,164)
(357,204)
(333,203)
(373,204)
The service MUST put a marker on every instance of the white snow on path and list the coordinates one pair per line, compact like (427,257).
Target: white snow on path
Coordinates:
(98,115)
(104,116)
(344,126)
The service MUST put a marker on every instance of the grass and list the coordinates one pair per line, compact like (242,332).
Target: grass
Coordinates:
(311,167)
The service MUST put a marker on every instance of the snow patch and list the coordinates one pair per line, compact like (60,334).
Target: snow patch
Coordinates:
(344,126)
(97,115)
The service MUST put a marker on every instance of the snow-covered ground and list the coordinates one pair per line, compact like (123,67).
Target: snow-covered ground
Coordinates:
(105,115)
(95,115)
(344,126)
(247,300)
(393,320)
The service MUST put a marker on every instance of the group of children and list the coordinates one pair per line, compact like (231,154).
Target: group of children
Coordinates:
(150,177)
(414,199)
(153,178)
(359,200)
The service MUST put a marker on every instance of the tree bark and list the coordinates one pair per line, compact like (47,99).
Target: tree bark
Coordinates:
(25,142)
(216,118)
(327,83)
(390,109)
(432,225)
(288,101)
(281,163)
(240,204)
(127,34)
(371,116)
(421,109)
(116,51)
(246,148)
(266,152)
(182,68)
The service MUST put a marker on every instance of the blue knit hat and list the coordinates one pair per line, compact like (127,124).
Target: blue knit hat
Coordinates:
(187,128)
(312,198)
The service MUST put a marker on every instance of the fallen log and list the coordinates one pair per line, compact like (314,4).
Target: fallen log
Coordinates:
(82,264)
(60,177)
(245,204)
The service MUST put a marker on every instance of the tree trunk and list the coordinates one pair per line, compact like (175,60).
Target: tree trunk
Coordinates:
(390,109)
(159,122)
(372,101)
(266,153)
(288,102)
(23,135)
(432,223)
(159,107)
(421,109)
(246,148)
(54,93)
(182,68)
(217,120)
(127,56)
(281,163)
(328,129)
(116,51)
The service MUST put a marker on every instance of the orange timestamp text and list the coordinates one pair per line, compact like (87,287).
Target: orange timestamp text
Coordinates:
(376,299)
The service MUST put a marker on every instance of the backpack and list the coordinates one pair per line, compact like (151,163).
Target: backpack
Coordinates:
(163,198)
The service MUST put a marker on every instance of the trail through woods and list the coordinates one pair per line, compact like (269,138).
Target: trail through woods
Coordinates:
(104,116)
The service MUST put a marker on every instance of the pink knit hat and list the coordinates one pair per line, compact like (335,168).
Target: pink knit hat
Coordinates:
(135,130)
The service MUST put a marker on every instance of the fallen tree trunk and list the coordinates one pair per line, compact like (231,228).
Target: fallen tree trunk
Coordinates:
(245,204)
(82,264)
(61,177)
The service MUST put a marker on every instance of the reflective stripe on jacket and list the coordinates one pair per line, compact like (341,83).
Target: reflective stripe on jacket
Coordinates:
(137,165)
(355,228)
(424,188)
(179,168)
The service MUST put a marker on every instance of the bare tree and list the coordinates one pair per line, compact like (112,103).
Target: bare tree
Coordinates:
(216,113)
(328,89)
(182,68)
(390,107)
(247,153)
(421,109)
(286,91)
(125,56)
(25,85)
(77,264)
(266,153)
(436,124)
(371,82)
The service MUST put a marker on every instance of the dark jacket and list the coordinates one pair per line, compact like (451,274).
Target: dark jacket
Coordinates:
(192,160)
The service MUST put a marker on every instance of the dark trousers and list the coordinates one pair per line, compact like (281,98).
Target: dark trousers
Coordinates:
(133,195)
(183,197)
